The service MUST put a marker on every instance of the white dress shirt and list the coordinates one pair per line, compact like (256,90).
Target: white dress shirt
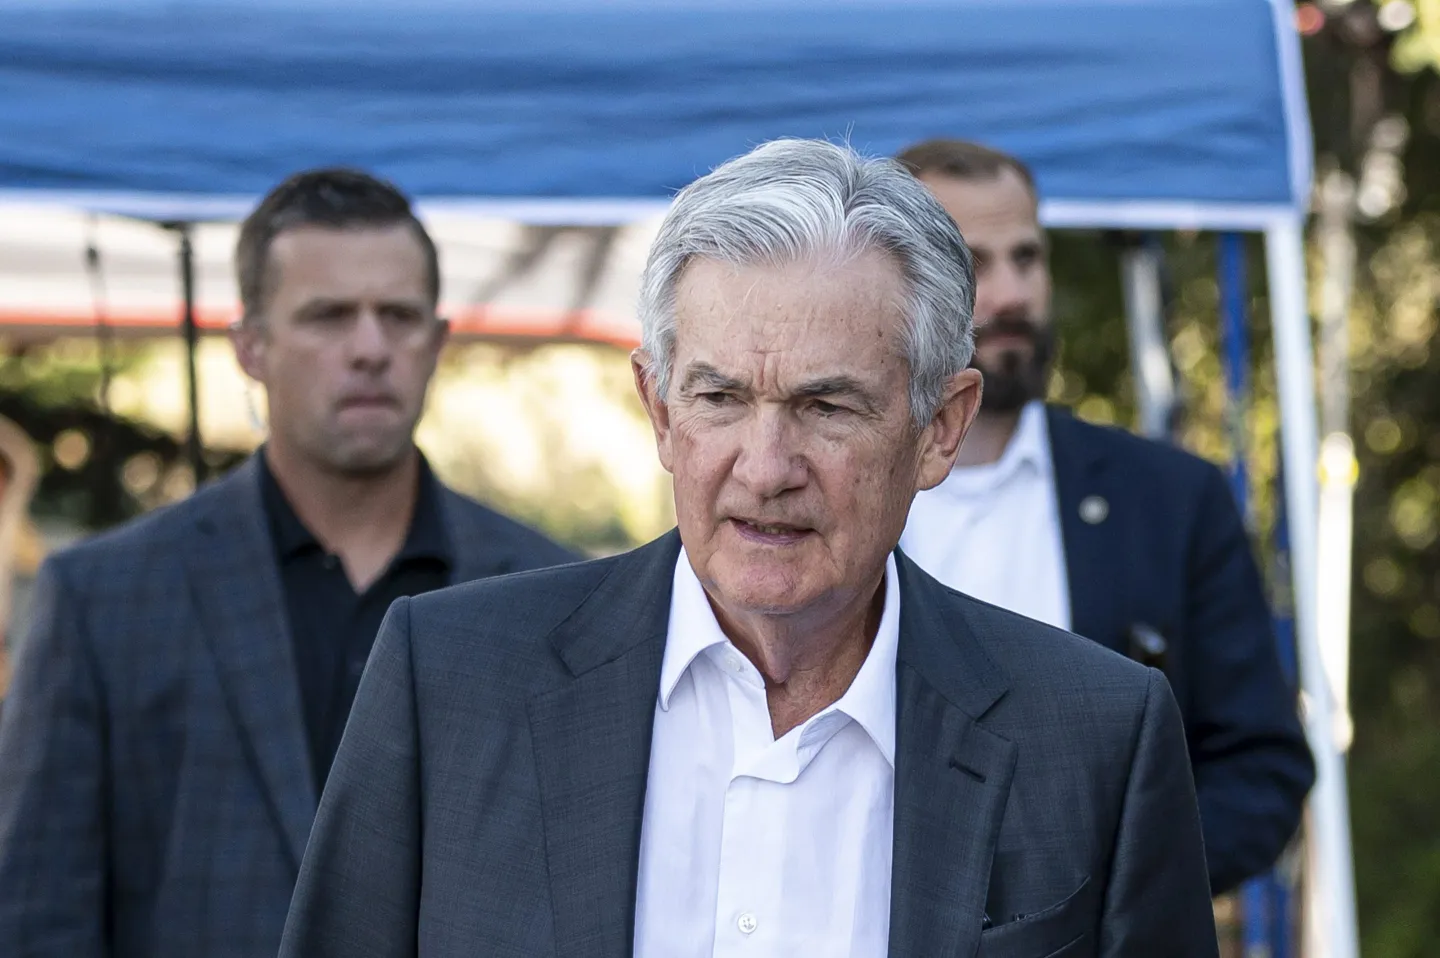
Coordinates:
(993,531)
(753,845)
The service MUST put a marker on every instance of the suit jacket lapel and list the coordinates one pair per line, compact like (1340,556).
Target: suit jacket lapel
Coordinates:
(592,751)
(952,776)
(1082,483)
(237,593)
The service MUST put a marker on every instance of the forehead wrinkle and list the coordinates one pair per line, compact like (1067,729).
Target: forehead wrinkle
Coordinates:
(748,295)
(760,335)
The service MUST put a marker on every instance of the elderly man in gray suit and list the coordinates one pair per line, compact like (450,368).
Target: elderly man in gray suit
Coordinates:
(181,692)
(769,733)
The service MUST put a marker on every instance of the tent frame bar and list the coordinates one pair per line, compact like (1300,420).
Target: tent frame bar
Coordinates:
(1055,212)
(190,330)
(1153,375)
(1330,926)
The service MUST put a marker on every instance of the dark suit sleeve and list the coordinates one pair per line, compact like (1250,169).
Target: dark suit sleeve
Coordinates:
(53,766)
(1157,901)
(1252,765)
(359,888)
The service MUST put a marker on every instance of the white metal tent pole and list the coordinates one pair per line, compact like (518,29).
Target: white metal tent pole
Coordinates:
(1149,353)
(1338,469)
(1330,893)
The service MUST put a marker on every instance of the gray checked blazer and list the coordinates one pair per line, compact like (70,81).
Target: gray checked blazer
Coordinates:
(488,793)
(155,785)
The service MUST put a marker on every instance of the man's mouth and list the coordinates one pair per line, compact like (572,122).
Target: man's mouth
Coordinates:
(367,402)
(1006,331)
(1009,340)
(769,533)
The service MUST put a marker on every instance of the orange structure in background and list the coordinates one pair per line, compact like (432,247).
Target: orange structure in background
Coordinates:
(473,322)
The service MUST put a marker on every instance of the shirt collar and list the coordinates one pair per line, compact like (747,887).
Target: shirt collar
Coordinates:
(1031,442)
(1028,448)
(693,628)
(870,699)
(426,538)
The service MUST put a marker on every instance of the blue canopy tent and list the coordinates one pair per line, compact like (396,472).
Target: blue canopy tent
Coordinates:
(1135,114)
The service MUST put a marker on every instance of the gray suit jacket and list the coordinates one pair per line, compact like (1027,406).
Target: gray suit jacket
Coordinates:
(488,793)
(155,784)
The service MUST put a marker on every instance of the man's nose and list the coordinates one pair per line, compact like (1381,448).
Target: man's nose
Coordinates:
(1002,292)
(369,344)
(770,461)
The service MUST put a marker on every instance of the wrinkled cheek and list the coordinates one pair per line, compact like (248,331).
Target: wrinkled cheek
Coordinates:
(880,499)
(694,483)
(701,464)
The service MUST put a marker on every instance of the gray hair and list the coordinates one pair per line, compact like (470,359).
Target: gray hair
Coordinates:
(790,199)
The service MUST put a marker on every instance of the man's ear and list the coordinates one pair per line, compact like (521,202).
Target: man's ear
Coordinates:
(441,336)
(247,338)
(940,442)
(655,405)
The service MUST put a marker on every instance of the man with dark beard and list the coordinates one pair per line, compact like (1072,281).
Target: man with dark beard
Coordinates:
(1132,543)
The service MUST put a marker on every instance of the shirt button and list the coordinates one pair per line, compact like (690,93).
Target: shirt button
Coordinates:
(747,923)
(733,663)
(331,561)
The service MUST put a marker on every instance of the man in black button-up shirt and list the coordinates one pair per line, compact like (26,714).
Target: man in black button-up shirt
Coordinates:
(331,624)
(187,677)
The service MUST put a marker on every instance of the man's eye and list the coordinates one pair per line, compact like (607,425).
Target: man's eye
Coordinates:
(403,315)
(331,314)
(826,408)
(716,399)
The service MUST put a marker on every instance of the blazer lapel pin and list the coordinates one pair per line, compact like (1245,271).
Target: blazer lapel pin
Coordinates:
(1094,509)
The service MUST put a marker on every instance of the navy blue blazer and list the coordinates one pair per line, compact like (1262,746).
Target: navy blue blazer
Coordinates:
(1154,540)
(155,785)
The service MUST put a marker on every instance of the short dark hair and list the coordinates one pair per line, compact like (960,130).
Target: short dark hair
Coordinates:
(963,160)
(331,198)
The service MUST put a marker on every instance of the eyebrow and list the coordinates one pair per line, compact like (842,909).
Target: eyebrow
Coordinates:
(703,376)
(1034,244)
(847,386)
(325,304)
(706,376)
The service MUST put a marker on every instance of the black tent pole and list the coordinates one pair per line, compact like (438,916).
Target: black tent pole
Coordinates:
(194,448)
